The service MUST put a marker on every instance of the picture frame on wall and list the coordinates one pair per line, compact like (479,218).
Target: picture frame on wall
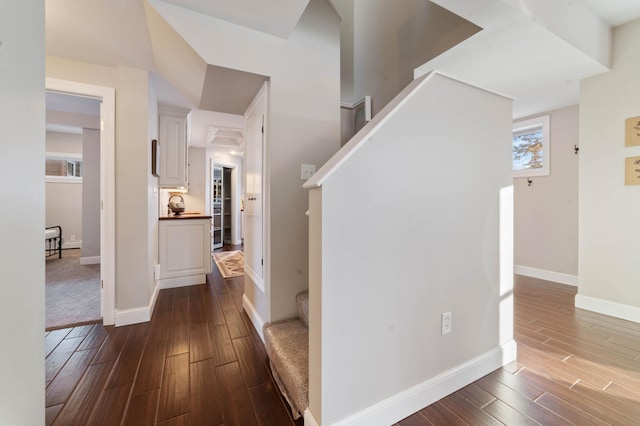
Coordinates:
(632,171)
(632,131)
(155,158)
(531,154)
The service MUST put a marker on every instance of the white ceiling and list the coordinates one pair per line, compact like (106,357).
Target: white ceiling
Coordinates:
(276,17)
(116,32)
(536,52)
(616,12)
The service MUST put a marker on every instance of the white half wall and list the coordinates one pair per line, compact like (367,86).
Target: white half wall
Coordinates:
(609,234)
(411,219)
(22,130)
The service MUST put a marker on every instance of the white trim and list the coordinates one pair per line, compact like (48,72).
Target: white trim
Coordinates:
(253,315)
(258,281)
(137,315)
(183,281)
(309,419)
(107,185)
(543,274)
(71,245)
(607,307)
(62,179)
(62,155)
(90,260)
(403,404)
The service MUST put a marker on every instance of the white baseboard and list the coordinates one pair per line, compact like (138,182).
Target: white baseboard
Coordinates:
(606,307)
(71,245)
(90,260)
(137,315)
(255,318)
(403,404)
(309,419)
(259,282)
(543,274)
(182,281)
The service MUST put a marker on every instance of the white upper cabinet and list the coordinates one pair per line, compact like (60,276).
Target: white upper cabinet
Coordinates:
(173,150)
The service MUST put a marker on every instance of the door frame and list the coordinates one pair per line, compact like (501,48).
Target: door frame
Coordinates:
(107,184)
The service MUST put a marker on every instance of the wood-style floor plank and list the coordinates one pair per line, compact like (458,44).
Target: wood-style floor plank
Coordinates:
(174,396)
(266,400)
(223,351)
(151,365)
(109,408)
(65,382)
(236,404)
(79,407)
(142,409)
(206,406)
(251,363)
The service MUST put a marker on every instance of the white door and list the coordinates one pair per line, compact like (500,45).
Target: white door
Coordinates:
(254,200)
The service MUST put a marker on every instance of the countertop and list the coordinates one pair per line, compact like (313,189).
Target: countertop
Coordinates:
(185,216)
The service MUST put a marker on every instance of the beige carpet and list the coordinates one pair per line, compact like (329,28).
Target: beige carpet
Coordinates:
(230,263)
(72,291)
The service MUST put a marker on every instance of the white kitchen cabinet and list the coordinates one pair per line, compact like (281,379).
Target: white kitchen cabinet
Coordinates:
(185,250)
(173,150)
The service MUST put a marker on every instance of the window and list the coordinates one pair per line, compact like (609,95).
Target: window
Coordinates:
(62,167)
(531,154)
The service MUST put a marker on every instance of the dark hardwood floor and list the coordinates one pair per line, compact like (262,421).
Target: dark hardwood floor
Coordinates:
(574,367)
(200,362)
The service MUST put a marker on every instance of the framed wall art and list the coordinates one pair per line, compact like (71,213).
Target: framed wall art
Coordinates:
(632,131)
(531,147)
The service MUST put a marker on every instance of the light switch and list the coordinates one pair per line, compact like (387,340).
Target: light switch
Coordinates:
(307,170)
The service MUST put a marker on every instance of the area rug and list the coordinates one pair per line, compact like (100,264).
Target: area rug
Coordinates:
(230,263)
(72,291)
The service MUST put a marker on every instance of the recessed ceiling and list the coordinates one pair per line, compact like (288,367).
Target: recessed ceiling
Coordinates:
(228,90)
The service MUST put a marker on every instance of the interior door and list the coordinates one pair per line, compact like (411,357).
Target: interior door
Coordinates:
(254,205)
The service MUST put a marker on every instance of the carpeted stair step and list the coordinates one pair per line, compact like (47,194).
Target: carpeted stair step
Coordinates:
(287,344)
(302,299)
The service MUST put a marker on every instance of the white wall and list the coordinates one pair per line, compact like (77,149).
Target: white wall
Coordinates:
(90,193)
(64,208)
(390,39)
(135,213)
(63,200)
(412,220)
(546,213)
(304,121)
(609,239)
(22,130)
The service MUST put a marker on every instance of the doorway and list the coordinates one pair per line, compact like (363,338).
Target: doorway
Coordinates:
(106,96)
(222,202)
(72,193)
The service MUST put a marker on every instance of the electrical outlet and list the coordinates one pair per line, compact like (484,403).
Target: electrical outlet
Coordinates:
(156,272)
(446,323)
(72,237)
(307,170)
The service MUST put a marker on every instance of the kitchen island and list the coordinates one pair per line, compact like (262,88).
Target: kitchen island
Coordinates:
(185,249)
